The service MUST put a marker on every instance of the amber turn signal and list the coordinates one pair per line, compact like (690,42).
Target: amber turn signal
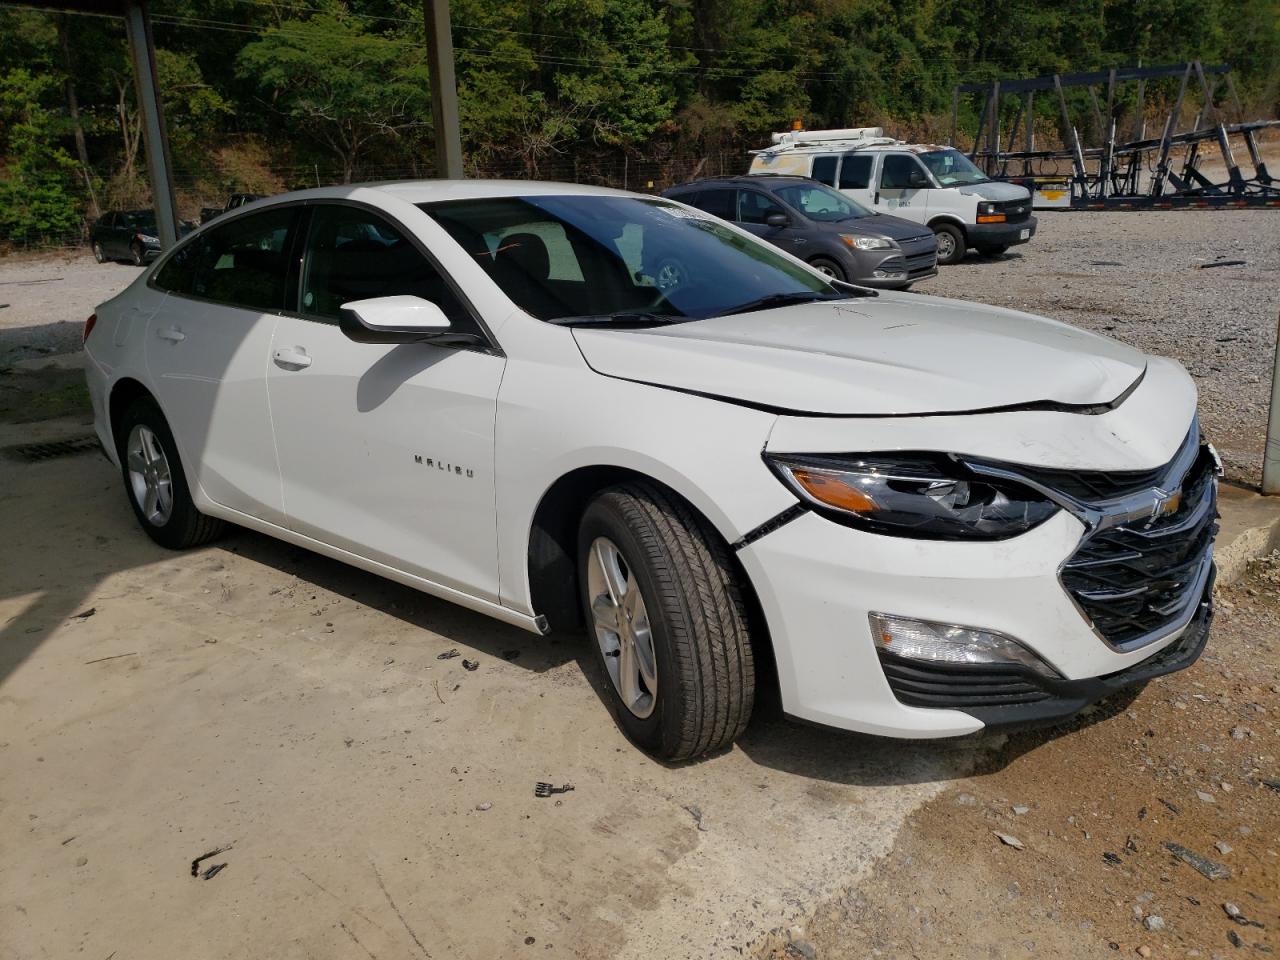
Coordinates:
(834,490)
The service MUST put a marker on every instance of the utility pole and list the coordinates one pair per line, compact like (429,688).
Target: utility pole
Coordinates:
(444,89)
(1271,452)
(142,50)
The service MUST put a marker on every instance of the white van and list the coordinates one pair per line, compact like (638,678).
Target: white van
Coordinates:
(930,184)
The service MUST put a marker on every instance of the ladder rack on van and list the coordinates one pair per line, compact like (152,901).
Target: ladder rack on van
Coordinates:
(849,138)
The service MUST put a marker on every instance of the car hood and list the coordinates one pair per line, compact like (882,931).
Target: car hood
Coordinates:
(997,190)
(894,354)
(883,225)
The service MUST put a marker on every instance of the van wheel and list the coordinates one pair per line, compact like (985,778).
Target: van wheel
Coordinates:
(951,245)
(662,603)
(155,481)
(829,267)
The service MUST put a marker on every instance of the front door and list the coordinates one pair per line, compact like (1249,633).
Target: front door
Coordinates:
(386,451)
(754,210)
(904,188)
(207,348)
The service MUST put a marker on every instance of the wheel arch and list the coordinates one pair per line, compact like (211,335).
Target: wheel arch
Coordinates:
(123,392)
(551,559)
(953,221)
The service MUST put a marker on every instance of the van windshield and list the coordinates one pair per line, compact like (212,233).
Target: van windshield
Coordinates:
(951,168)
(581,257)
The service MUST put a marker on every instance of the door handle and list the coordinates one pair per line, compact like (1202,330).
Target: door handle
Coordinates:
(291,358)
(172,334)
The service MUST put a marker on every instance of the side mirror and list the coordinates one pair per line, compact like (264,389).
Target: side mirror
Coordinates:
(399,319)
(777,220)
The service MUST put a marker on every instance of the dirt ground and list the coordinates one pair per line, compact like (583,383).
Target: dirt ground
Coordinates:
(377,801)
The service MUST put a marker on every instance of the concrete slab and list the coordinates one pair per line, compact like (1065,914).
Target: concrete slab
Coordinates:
(1250,527)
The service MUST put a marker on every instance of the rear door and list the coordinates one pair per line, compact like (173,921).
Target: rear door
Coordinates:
(386,450)
(207,349)
(856,178)
(903,188)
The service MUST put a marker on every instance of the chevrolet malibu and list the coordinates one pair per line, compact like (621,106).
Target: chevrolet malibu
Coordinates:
(924,517)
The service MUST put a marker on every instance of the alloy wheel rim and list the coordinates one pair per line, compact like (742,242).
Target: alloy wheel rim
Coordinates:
(826,270)
(622,627)
(946,245)
(150,479)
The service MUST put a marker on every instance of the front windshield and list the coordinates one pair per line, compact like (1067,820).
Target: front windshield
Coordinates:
(818,202)
(951,168)
(561,257)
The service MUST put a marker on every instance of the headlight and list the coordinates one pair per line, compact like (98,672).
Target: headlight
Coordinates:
(867,243)
(145,238)
(989,213)
(986,209)
(921,495)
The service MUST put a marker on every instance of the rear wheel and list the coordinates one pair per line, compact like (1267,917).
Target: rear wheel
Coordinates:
(669,623)
(155,481)
(829,267)
(951,245)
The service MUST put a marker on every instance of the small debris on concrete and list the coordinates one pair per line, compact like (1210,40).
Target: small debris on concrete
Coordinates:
(116,656)
(448,654)
(1202,865)
(195,864)
(1020,808)
(1205,797)
(389,661)
(1112,858)
(1232,910)
(348,740)
(1154,923)
(482,807)
(213,871)
(471,665)
(1233,938)
(541,789)
(81,861)
(1221,263)
(1009,840)
(801,948)
(695,812)
(967,800)
(529,941)
(86,614)
(1144,951)
(1223,847)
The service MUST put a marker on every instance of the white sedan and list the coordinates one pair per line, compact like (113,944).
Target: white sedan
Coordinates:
(557,404)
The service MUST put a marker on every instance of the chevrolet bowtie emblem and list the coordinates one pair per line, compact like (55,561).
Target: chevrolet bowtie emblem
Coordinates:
(1164,503)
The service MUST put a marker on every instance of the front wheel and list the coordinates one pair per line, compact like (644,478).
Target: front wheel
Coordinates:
(828,267)
(97,252)
(951,245)
(667,615)
(136,254)
(155,481)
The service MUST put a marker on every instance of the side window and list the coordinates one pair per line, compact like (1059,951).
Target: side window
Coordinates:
(109,220)
(353,254)
(178,275)
(898,172)
(824,169)
(755,207)
(242,263)
(855,171)
(718,202)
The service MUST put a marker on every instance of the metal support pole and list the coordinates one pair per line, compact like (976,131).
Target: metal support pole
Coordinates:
(1271,452)
(955,114)
(142,50)
(444,89)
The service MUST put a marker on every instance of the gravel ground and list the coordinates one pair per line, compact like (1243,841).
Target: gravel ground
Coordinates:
(1132,276)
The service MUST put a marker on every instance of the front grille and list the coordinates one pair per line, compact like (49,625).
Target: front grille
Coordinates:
(1137,580)
(920,683)
(921,263)
(1091,486)
(1015,211)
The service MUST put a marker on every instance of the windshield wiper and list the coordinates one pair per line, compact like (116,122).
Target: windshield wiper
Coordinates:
(785,299)
(620,320)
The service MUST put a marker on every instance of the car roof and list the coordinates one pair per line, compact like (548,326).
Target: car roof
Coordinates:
(851,146)
(745,179)
(432,191)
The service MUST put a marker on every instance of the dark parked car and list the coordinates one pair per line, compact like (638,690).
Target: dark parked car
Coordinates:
(233,201)
(128,235)
(820,226)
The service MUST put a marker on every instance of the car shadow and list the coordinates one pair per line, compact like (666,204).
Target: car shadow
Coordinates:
(975,259)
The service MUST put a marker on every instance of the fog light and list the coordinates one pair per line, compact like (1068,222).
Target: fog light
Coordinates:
(888,274)
(949,643)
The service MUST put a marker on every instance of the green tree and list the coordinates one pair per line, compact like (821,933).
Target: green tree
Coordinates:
(339,85)
(38,202)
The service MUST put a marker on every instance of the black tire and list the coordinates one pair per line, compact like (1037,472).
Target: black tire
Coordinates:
(951,243)
(97,252)
(997,250)
(185,526)
(696,615)
(136,255)
(829,267)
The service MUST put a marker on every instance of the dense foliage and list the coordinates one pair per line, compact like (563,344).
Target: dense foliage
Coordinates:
(265,95)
